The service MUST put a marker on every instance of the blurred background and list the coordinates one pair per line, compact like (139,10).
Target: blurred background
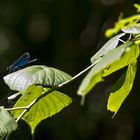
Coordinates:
(65,34)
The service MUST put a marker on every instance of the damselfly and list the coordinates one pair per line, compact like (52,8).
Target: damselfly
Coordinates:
(20,62)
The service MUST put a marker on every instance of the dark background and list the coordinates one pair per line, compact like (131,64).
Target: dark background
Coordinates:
(65,34)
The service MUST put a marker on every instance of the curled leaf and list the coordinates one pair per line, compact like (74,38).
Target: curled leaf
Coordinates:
(38,74)
(133,29)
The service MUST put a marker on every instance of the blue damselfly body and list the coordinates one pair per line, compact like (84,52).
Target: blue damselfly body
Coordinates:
(20,62)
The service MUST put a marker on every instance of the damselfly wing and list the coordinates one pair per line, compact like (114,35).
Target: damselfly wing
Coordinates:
(20,62)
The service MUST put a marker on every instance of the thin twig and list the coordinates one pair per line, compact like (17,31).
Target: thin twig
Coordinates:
(20,116)
(16,108)
(24,111)
(76,76)
(121,40)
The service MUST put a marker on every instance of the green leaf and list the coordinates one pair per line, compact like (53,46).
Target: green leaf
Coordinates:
(121,88)
(38,74)
(47,106)
(110,45)
(131,53)
(111,62)
(137,6)
(133,29)
(7,123)
(122,23)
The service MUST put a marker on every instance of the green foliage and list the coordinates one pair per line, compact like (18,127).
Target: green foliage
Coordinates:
(110,45)
(111,62)
(137,6)
(126,22)
(111,58)
(38,74)
(40,98)
(121,88)
(45,107)
(39,85)
(7,124)
(135,29)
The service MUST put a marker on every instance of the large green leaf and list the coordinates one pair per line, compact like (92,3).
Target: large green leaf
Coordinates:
(47,106)
(110,45)
(133,29)
(38,74)
(111,62)
(121,88)
(7,123)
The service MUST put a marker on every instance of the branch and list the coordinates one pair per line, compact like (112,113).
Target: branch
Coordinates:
(51,90)
(15,108)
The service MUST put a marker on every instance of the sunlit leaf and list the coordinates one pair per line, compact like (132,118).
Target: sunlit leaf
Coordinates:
(130,54)
(7,123)
(47,106)
(110,45)
(121,88)
(38,74)
(122,23)
(111,62)
(137,6)
(134,29)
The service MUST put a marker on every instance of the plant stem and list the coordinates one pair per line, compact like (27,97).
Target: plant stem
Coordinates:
(24,111)
(15,108)
(76,76)
(20,116)
(51,90)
